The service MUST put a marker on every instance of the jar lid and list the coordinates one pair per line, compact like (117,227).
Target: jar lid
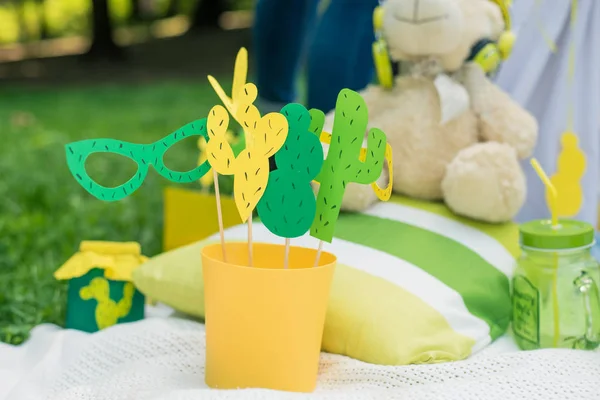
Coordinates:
(568,234)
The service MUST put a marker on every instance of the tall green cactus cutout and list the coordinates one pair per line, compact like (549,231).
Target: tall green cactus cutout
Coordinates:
(343,165)
(288,205)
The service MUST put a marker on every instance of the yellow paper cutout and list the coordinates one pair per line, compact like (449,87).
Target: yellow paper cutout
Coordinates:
(247,115)
(118,260)
(383,194)
(567,179)
(552,199)
(251,167)
(218,150)
(208,178)
(108,311)
(267,133)
(250,181)
(240,73)
(264,137)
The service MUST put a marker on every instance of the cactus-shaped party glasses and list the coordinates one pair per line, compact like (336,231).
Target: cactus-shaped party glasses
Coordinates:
(144,155)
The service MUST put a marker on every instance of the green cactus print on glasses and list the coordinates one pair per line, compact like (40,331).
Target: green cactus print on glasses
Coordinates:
(144,155)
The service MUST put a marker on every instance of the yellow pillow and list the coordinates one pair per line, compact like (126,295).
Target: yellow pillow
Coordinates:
(414,283)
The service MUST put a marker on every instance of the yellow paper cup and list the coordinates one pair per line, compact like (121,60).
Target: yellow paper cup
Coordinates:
(264,324)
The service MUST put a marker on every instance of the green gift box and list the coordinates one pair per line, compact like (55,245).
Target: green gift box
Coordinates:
(101,293)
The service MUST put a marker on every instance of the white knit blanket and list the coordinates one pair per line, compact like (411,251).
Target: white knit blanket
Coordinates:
(163,358)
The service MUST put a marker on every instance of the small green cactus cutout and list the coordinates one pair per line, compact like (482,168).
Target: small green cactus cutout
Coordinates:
(342,165)
(288,205)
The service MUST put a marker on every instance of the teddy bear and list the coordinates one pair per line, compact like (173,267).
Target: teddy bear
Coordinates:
(469,157)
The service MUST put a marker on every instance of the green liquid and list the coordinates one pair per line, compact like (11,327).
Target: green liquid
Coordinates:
(541,280)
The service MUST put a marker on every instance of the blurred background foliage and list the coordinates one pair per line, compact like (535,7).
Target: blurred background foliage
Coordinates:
(137,72)
(31,20)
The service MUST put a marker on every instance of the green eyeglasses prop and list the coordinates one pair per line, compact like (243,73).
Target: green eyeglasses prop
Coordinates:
(143,154)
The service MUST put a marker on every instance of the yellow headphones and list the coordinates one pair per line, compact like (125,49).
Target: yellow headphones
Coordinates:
(485,52)
(381,56)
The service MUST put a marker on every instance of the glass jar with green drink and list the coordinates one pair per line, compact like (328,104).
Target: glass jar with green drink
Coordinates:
(556,301)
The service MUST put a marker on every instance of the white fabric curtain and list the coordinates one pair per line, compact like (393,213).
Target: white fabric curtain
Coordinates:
(538,79)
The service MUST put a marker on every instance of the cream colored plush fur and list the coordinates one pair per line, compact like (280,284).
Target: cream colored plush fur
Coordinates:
(472,161)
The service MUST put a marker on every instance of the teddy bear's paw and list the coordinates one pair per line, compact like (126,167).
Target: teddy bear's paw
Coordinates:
(485,182)
(358,197)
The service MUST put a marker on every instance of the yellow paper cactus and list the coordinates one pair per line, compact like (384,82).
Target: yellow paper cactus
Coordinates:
(231,103)
(264,137)
(240,73)
(218,150)
(567,179)
(208,179)
(108,311)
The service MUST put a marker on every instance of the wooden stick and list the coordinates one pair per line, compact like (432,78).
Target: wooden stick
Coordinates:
(319,249)
(250,240)
(287,253)
(219,214)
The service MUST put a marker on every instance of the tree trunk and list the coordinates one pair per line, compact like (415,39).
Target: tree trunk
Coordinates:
(207,14)
(136,11)
(41,11)
(23,33)
(103,44)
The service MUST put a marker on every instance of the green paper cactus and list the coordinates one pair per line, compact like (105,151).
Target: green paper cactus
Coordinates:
(317,120)
(288,205)
(343,165)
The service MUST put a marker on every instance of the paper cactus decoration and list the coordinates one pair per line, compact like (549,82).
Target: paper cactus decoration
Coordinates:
(100,291)
(219,152)
(343,164)
(383,194)
(240,73)
(250,168)
(237,144)
(264,136)
(108,311)
(288,206)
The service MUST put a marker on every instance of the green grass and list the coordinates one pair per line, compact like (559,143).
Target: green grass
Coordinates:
(44,213)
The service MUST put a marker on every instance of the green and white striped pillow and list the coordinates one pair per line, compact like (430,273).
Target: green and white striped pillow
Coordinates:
(414,283)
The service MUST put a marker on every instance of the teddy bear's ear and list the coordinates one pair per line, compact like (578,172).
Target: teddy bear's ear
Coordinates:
(494,14)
